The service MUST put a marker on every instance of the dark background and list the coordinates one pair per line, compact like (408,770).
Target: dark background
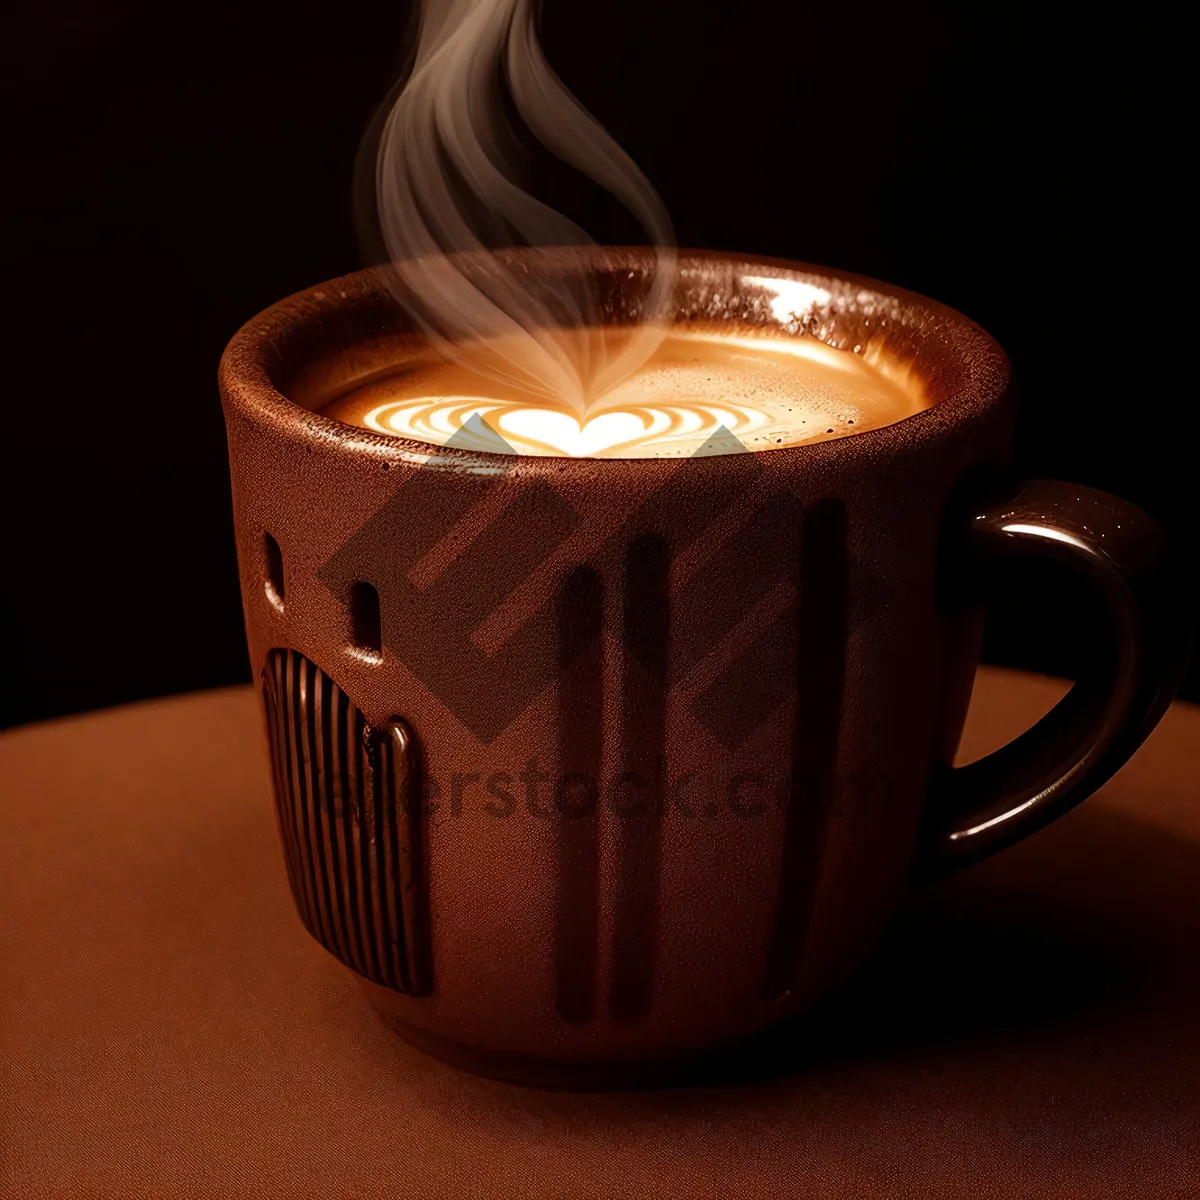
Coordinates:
(174,170)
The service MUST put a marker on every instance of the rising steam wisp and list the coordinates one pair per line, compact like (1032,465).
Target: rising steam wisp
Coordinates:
(447,197)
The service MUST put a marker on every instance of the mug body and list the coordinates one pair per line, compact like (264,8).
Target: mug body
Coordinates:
(589,764)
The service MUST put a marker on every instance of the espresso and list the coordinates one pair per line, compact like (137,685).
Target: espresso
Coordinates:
(712,392)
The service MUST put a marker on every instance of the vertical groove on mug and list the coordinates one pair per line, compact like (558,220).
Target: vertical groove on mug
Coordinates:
(577,879)
(288,807)
(301,699)
(297,796)
(820,670)
(356,886)
(342,829)
(367,781)
(308,704)
(287,816)
(323,693)
(271,706)
(340,786)
(338,816)
(322,810)
(408,852)
(384,864)
(645,631)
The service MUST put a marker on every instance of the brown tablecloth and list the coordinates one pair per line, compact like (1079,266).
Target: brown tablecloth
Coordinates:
(167,1029)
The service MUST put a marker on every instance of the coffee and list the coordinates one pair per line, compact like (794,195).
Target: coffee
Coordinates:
(766,390)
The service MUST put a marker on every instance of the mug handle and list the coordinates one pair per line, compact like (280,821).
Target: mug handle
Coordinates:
(976,810)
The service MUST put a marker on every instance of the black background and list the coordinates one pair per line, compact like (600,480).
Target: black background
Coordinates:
(174,170)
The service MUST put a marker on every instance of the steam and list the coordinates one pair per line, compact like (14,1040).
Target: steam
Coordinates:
(448,197)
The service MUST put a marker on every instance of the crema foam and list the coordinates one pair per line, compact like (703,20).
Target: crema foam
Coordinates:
(700,391)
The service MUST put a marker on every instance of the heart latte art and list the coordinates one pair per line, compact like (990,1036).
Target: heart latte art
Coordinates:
(706,392)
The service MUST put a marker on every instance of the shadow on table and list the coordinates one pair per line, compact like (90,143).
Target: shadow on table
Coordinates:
(1072,928)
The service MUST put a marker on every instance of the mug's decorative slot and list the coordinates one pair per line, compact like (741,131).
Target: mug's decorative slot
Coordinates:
(580,652)
(366,631)
(274,556)
(819,666)
(646,626)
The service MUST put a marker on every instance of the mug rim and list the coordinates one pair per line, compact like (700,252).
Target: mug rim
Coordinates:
(980,372)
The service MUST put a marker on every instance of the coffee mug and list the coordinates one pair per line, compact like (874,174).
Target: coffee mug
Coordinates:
(587,767)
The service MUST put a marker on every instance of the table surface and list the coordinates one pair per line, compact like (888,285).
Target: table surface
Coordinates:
(167,1029)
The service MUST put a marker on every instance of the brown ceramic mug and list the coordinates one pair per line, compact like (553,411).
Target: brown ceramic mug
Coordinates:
(587,766)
